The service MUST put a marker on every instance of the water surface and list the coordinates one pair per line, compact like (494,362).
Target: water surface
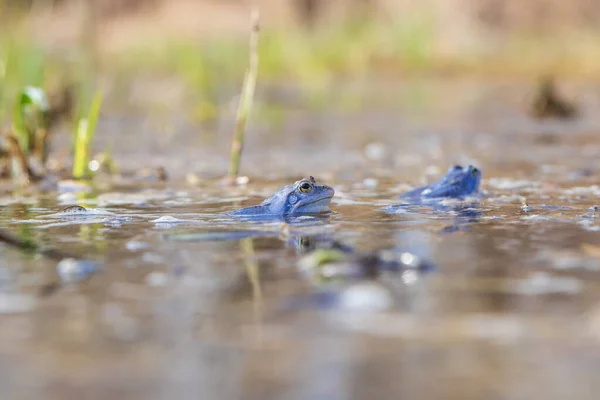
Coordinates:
(190,304)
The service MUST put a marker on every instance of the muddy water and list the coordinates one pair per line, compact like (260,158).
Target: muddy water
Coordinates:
(201,306)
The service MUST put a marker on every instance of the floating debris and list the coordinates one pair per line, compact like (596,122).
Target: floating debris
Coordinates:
(242,180)
(72,270)
(526,207)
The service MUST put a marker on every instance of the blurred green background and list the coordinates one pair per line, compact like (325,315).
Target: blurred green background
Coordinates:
(166,57)
(313,42)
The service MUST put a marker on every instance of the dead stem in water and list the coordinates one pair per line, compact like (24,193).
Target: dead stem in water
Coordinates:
(245,103)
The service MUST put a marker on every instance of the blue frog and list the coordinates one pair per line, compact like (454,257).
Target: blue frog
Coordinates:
(458,183)
(305,197)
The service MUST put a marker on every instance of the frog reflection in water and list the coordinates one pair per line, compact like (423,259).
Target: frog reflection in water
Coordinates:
(304,197)
(458,183)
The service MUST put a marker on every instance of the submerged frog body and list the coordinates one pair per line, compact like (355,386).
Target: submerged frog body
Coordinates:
(304,197)
(458,183)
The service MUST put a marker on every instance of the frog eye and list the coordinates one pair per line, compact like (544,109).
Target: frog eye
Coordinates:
(474,172)
(305,187)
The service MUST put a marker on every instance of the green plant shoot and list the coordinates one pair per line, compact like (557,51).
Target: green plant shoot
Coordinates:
(29,117)
(84,134)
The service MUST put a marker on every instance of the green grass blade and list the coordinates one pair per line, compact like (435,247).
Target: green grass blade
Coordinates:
(29,115)
(94,113)
(86,129)
(81,139)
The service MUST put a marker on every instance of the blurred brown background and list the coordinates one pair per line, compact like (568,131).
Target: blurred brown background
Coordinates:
(456,26)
